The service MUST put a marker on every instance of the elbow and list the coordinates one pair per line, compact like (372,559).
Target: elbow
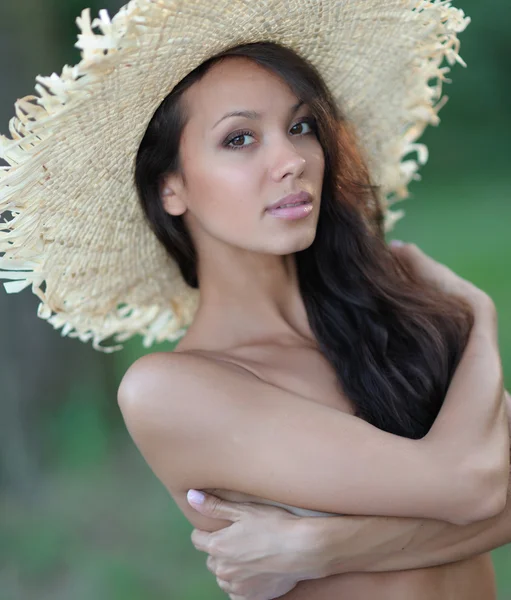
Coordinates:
(495,499)
(490,506)
(487,499)
(483,481)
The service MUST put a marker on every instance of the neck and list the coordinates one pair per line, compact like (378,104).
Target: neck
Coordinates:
(248,298)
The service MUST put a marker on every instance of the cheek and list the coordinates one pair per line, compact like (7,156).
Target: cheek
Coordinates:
(219,188)
(225,201)
(317,163)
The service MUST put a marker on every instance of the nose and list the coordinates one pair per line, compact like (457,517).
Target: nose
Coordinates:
(286,160)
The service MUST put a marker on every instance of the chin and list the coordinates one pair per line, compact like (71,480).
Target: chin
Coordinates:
(299,242)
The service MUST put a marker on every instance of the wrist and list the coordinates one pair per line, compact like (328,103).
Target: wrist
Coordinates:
(333,546)
(317,551)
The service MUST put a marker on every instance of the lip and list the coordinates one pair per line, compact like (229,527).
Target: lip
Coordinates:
(291,198)
(292,213)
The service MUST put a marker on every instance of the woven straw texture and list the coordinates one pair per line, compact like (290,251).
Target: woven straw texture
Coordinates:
(73,229)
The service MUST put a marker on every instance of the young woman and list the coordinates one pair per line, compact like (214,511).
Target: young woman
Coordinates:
(323,372)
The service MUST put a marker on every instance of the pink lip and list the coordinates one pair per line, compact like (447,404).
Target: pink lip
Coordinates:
(299,197)
(291,213)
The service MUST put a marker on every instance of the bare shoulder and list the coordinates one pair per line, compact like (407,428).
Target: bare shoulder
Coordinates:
(167,401)
(144,376)
(169,385)
(173,370)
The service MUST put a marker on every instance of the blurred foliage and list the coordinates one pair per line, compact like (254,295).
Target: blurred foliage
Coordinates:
(98,524)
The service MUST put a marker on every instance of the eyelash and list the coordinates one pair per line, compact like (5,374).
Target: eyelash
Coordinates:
(237,134)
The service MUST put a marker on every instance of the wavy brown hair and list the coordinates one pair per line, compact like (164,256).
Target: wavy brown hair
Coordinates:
(394,343)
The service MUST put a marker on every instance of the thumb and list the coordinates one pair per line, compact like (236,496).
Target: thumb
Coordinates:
(212,506)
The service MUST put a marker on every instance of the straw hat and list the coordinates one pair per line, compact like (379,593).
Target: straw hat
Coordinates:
(73,229)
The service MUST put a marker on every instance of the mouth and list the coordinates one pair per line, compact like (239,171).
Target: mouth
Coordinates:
(292,207)
(290,201)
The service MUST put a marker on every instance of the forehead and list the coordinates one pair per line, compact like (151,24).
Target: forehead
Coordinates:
(236,83)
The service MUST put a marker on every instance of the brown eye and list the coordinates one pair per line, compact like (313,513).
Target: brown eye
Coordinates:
(229,143)
(295,126)
(309,123)
(235,142)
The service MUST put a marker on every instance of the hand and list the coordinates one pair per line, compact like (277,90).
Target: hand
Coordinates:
(258,556)
(439,276)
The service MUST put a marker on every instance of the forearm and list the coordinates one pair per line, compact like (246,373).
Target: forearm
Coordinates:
(470,433)
(437,543)
(472,420)
(371,544)
(351,544)
(367,544)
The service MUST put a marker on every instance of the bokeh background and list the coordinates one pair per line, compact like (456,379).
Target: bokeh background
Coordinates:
(81,515)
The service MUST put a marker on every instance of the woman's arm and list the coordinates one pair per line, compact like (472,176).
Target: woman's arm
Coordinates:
(230,430)
(394,544)
(267,551)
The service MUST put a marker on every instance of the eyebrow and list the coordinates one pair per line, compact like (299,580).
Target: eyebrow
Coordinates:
(252,114)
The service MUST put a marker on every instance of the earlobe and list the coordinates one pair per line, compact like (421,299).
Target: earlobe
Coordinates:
(171,200)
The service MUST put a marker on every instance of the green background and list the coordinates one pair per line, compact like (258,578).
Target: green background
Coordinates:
(81,515)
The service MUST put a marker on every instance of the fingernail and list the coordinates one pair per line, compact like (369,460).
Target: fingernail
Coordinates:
(397,243)
(195,497)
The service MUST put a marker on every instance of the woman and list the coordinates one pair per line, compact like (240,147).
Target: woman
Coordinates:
(322,372)
(295,301)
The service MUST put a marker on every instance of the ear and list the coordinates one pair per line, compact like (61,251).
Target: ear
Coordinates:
(172,195)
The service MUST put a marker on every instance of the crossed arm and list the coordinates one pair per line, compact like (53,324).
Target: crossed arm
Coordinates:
(290,549)
(395,544)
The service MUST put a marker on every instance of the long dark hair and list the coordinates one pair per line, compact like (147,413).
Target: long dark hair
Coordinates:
(394,343)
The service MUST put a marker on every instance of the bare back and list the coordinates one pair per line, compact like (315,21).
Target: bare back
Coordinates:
(305,371)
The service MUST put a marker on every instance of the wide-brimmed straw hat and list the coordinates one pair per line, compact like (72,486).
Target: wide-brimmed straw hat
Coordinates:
(73,229)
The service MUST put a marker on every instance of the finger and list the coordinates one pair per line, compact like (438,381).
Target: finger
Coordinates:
(214,507)
(202,540)
(406,250)
(224,585)
(211,564)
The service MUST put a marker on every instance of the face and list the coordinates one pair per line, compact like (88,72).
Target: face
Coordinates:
(235,167)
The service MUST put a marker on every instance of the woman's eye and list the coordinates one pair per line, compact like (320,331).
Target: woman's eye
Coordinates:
(301,124)
(236,142)
(240,136)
